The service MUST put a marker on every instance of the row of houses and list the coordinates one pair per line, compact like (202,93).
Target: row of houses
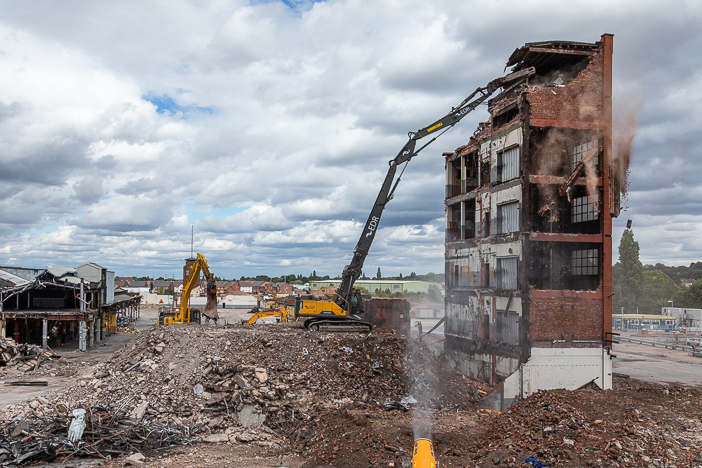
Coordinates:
(224,288)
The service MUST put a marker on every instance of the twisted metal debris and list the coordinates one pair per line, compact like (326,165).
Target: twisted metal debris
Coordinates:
(106,434)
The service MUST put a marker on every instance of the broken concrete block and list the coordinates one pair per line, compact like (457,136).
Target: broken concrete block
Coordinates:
(261,374)
(140,410)
(216,438)
(249,417)
(135,459)
(241,381)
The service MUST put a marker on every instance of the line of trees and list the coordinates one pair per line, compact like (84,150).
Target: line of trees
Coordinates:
(301,279)
(645,289)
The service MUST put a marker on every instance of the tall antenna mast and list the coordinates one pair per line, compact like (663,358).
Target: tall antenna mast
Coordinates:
(192,240)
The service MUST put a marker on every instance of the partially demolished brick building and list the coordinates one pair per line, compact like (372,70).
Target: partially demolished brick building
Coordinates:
(529,207)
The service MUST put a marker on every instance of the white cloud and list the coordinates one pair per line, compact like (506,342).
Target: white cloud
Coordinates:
(120,127)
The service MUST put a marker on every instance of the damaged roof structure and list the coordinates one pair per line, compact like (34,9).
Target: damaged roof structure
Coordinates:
(529,207)
(33,301)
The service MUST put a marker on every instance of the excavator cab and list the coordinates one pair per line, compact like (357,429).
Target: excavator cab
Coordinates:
(356,303)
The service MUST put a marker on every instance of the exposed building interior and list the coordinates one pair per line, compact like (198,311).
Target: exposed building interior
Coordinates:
(529,207)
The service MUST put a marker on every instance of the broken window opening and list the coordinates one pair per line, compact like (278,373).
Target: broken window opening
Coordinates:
(585,262)
(453,183)
(485,228)
(580,151)
(453,224)
(506,116)
(471,177)
(564,265)
(584,209)
(553,213)
(468,227)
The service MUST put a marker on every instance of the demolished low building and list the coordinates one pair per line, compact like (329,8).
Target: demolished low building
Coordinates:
(56,305)
(529,207)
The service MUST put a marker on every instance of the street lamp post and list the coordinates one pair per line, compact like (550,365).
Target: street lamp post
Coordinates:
(622,318)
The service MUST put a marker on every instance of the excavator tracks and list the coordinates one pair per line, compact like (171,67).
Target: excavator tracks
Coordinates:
(348,326)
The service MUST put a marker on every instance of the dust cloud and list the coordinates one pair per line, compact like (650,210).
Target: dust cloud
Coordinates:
(421,389)
(625,128)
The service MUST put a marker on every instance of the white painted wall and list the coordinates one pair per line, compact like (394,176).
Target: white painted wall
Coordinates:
(568,368)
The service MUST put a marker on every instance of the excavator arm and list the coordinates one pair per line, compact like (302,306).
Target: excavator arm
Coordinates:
(352,271)
(200,266)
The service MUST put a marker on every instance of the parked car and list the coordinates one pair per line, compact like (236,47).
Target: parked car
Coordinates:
(694,342)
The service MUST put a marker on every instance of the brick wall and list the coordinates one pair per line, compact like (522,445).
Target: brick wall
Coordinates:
(580,100)
(565,318)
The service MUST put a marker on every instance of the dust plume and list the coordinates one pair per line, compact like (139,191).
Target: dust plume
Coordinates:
(420,387)
(623,134)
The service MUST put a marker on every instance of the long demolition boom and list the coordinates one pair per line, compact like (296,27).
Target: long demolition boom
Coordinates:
(352,271)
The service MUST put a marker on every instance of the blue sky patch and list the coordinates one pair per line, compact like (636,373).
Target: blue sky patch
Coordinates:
(165,103)
(292,4)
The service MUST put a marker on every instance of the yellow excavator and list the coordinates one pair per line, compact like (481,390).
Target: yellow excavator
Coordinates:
(267,309)
(183,313)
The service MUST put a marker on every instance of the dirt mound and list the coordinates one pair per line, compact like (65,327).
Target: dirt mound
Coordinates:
(637,424)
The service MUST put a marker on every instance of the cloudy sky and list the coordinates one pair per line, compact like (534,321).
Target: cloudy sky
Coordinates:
(268,125)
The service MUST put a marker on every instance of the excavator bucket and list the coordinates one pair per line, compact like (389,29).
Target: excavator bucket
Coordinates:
(210,309)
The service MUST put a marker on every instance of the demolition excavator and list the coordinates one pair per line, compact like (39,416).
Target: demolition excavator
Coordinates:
(342,310)
(184,313)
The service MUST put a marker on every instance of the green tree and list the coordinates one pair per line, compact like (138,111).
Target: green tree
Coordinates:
(659,288)
(692,297)
(434,293)
(378,275)
(628,276)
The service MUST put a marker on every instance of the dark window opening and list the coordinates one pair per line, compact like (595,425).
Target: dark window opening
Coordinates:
(468,231)
(453,186)
(471,181)
(553,213)
(486,224)
(505,117)
(585,262)
(564,265)
(453,225)
(585,208)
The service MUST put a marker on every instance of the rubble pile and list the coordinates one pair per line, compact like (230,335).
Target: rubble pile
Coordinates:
(24,357)
(95,432)
(253,385)
(627,427)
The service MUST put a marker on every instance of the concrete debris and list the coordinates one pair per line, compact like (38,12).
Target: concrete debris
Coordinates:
(259,392)
(24,357)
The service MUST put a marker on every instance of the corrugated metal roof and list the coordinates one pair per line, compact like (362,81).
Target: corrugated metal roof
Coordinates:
(8,280)
(59,271)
